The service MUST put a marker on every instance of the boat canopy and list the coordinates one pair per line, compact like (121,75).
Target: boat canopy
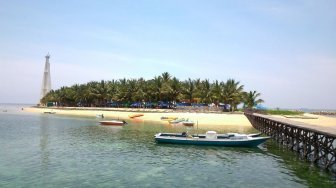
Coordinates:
(211,134)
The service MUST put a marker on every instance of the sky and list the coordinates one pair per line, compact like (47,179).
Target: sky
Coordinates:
(285,50)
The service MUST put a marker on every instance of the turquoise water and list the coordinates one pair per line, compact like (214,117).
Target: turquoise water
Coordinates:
(40,150)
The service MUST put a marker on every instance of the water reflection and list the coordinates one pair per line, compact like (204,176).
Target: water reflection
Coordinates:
(305,171)
(44,139)
(109,129)
(236,150)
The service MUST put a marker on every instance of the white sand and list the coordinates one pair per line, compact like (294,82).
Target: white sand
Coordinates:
(203,119)
(317,120)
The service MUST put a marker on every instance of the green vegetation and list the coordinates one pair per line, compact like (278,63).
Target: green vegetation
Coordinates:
(148,93)
(251,99)
(284,112)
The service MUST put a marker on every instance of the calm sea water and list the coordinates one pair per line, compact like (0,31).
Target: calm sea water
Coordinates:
(40,150)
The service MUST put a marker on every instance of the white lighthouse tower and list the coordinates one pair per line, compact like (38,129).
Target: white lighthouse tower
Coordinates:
(46,82)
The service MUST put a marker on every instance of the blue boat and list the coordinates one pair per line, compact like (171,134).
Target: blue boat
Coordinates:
(211,138)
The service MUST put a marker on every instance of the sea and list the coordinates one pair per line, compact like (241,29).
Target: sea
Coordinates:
(50,150)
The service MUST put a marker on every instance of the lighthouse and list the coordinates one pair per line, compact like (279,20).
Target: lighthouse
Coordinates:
(46,82)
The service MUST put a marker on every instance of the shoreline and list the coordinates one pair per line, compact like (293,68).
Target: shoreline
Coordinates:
(212,119)
(215,120)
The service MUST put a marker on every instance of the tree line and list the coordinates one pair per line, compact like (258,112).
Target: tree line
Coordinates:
(164,87)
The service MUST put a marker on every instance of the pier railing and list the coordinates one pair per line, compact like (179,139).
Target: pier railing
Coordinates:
(313,143)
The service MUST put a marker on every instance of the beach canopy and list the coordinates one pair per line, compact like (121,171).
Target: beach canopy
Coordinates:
(260,107)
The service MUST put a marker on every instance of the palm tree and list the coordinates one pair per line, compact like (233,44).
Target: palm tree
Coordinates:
(189,89)
(121,90)
(139,93)
(62,94)
(175,89)
(78,96)
(99,91)
(111,89)
(197,91)
(250,99)
(165,77)
(205,91)
(88,98)
(166,86)
(216,92)
(157,87)
(131,90)
(232,93)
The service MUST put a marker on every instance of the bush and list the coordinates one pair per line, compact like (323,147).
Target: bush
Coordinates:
(283,112)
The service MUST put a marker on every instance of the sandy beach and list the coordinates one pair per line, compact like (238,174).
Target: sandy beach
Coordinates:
(318,120)
(204,119)
(214,120)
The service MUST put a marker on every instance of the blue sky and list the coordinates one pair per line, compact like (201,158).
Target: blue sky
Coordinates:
(286,50)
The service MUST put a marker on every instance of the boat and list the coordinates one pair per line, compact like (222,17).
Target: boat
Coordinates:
(135,115)
(211,138)
(177,121)
(226,135)
(182,121)
(187,123)
(50,112)
(99,115)
(254,134)
(113,122)
(168,118)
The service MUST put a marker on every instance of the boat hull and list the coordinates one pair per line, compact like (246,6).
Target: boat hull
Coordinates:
(168,118)
(135,115)
(112,123)
(50,112)
(176,121)
(188,123)
(253,142)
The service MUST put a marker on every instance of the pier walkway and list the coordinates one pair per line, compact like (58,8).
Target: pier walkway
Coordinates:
(314,143)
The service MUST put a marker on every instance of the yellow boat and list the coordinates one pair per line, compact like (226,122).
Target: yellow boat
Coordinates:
(135,115)
(168,118)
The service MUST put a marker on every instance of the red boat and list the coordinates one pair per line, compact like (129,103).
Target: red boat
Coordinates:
(188,123)
(113,122)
